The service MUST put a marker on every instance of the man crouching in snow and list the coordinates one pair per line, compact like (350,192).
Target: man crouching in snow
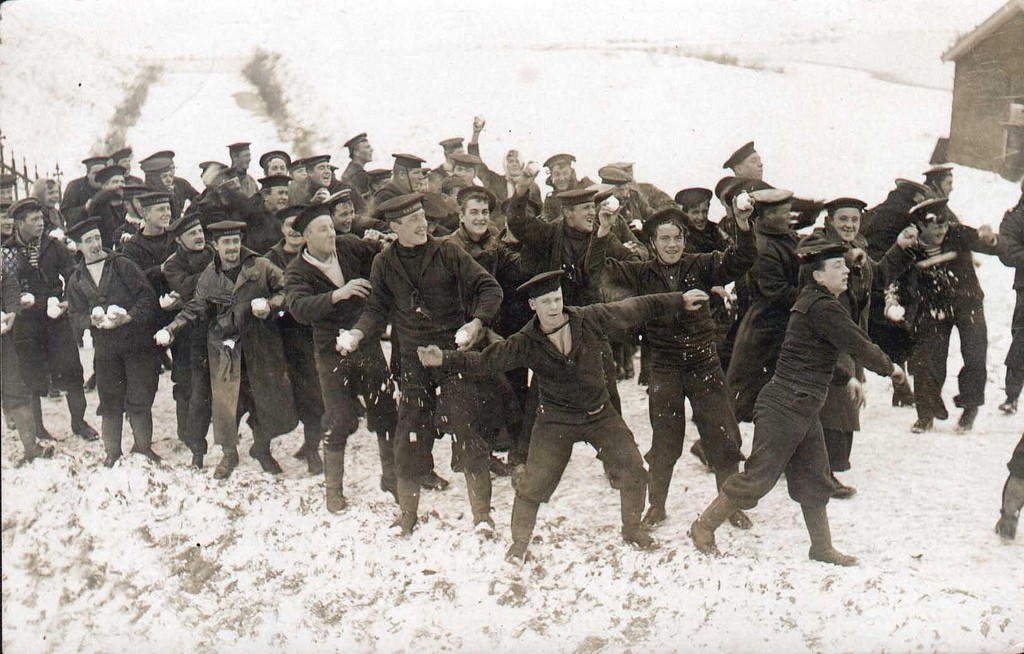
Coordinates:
(787,428)
(563,346)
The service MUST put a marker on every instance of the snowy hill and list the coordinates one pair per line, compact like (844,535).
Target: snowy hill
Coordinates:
(103,560)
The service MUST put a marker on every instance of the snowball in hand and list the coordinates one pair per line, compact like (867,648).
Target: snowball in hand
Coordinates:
(27,299)
(98,312)
(167,301)
(113,311)
(531,169)
(611,204)
(53,309)
(743,201)
(260,304)
(163,337)
(346,341)
(461,337)
(895,312)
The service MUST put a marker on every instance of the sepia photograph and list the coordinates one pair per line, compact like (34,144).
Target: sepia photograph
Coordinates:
(582,327)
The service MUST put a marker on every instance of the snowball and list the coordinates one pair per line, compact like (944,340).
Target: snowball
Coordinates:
(461,337)
(163,337)
(895,312)
(346,341)
(743,201)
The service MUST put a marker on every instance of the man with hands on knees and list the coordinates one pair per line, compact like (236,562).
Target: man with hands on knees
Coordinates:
(564,347)
(432,292)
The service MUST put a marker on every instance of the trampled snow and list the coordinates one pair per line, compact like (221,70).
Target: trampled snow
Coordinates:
(170,560)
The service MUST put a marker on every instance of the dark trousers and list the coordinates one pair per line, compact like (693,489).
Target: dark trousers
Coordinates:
(47,351)
(13,391)
(435,401)
(895,341)
(1016,464)
(127,371)
(200,395)
(787,437)
(838,444)
(232,398)
(712,414)
(305,380)
(365,374)
(181,380)
(1015,356)
(928,362)
(554,434)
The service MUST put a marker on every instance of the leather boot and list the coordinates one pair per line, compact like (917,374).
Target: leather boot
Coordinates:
(112,426)
(334,478)
(478,485)
(76,407)
(702,531)
(738,519)
(260,451)
(142,431)
(661,477)
(1013,500)
(37,416)
(312,437)
(524,517)
(408,502)
(227,464)
(816,518)
(632,505)
(26,425)
(386,451)
(902,394)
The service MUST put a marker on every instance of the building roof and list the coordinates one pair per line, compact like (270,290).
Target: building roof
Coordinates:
(967,42)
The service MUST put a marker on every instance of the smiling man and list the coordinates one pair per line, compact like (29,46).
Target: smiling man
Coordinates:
(787,431)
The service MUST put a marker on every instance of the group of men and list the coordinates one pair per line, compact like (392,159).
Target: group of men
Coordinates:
(511,317)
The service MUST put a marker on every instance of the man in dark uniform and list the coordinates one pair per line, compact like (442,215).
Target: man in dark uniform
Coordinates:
(80,189)
(275,162)
(127,362)
(320,183)
(159,171)
(562,179)
(434,292)
(564,347)
(377,178)
(632,206)
(449,147)
(1011,233)
(15,397)
(299,350)
(182,271)
(241,157)
(43,336)
(774,285)
(880,226)
(360,153)
(787,429)
(746,162)
(684,358)
(326,286)
(238,292)
(1013,494)
(123,158)
(107,205)
(263,228)
(407,176)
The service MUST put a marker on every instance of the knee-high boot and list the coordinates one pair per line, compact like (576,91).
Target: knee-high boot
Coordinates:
(1013,500)
(478,485)
(816,518)
(409,503)
(702,531)
(312,434)
(334,478)
(142,431)
(661,478)
(37,417)
(25,423)
(112,426)
(524,517)
(386,449)
(632,501)
(738,519)
(76,407)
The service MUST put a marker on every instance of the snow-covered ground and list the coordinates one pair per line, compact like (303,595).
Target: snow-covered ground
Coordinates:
(169,559)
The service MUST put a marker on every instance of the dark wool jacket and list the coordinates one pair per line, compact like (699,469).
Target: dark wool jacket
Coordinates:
(676,340)
(575,382)
(1011,242)
(122,283)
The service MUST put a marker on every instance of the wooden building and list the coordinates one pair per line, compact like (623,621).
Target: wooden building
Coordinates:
(987,125)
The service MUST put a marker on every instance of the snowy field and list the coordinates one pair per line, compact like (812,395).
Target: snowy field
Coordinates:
(165,559)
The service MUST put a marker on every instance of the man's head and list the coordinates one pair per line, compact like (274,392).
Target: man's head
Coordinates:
(464,166)
(227,241)
(939,180)
(275,162)
(298,170)
(342,210)
(616,178)
(513,164)
(450,147)
(843,216)
(320,172)
(28,219)
(155,210)
(316,227)
(94,165)
(545,298)
(475,206)
(6,222)
(359,149)
(111,178)
(772,208)
(665,233)
(695,203)
(407,218)
(378,178)
(240,155)
(274,191)
(408,173)
(159,169)
(823,261)
(578,210)
(932,220)
(123,158)
(188,231)
(561,171)
(746,162)
(90,242)
(913,191)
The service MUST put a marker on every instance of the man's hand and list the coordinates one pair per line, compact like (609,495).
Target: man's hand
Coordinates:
(478,124)
(430,356)
(6,321)
(856,391)
(987,236)
(277,303)
(320,196)
(353,288)
(119,319)
(857,257)
(373,235)
(694,299)
(348,341)
(605,221)
(908,237)
(898,376)
(525,181)
(260,307)
(742,209)
(728,298)
(469,334)
(27,300)
(164,337)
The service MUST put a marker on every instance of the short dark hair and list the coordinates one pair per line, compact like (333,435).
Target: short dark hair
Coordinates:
(473,195)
